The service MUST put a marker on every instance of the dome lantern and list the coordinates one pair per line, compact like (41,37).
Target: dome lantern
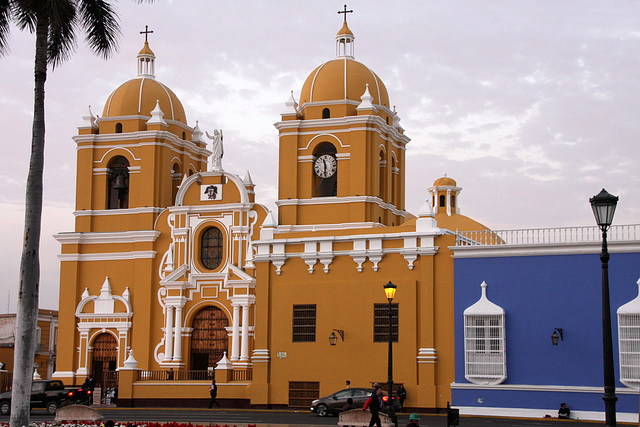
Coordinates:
(146,62)
(345,38)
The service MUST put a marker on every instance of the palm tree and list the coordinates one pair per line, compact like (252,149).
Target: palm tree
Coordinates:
(54,23)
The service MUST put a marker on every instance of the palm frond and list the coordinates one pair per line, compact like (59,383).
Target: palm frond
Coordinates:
(100,21)
(5,20)
(62,29)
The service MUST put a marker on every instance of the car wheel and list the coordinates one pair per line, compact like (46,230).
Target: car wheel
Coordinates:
(5,408)
(322,411)
(52,407)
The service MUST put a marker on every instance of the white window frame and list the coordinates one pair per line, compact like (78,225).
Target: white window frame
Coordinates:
(485,357)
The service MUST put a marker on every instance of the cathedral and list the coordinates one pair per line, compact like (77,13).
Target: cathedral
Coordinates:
(176,274)
(174,258)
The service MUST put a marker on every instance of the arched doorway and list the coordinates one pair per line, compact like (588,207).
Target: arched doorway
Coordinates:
(105,356)
(209,338)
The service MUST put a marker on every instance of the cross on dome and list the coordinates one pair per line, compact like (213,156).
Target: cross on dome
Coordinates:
(345,11)
(147,31)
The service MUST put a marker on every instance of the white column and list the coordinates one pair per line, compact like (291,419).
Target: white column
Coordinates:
(235,333)
(448,202)
(168,335)
(177,346)
(244,352)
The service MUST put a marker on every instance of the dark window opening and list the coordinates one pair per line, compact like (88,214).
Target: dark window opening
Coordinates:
(118,183)
(381,322)
(211,248)
(304,323)
(118,127)
(328,186)
(443,203)
(326,113)
(453,201)
(184,135)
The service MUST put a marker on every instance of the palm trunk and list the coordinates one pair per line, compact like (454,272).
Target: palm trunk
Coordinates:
(27,315)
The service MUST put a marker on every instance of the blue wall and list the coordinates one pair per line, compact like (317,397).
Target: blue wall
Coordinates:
(538,294)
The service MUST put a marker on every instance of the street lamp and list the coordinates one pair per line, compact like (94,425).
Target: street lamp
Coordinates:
(390,292)
(604,206)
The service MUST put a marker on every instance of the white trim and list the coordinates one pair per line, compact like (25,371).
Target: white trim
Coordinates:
(339,200)
(112,256)
(535,387)
(107,212)
(625,417)
(574,248)
(107,237)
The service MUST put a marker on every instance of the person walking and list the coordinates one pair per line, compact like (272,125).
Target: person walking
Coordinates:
(374,403)
(213,392)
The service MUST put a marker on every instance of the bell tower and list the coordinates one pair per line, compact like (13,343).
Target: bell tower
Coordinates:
(342,149)
(133,158)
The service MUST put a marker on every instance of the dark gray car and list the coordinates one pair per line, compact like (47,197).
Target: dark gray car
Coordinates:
(334,403)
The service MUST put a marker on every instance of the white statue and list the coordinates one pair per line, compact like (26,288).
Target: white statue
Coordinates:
(217,150)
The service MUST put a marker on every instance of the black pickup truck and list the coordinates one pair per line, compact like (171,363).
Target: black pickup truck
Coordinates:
(49,394)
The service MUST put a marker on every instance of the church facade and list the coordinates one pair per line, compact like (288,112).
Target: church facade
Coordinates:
(173,258)
(175,273)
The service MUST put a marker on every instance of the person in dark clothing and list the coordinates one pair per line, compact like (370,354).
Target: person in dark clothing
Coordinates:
(349,405)
(564,411)
(374,403)
(213,392)
(402,394)
(413,420)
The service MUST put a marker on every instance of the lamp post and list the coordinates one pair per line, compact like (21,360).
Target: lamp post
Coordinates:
(390,292)
(604,206)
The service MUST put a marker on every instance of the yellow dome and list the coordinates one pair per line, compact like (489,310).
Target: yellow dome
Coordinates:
(343,78)
(345,30)
(444,181)
(138,97)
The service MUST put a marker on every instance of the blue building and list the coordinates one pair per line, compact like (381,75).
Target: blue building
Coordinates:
(513,291)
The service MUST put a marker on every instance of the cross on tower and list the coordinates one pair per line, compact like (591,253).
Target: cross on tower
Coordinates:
(146,32)
(345,11)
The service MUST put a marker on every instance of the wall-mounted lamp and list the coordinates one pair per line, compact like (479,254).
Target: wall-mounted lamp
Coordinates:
(557,335)
(333,338)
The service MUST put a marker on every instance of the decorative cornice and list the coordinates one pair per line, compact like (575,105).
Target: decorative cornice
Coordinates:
(575,248)
(113,256)
(535,387)
(338,200)
(107,212)
(107,237)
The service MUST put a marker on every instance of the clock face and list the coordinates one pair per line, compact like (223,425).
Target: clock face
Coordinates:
(325,166)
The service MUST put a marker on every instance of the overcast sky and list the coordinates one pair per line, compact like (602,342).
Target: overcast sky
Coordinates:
(531,106)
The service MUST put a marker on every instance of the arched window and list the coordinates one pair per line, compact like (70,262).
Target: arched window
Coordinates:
(184,135)
(118,127)
(326,113)
(211,248)
(443,202)
(209,338)
(118,183)
(175,181)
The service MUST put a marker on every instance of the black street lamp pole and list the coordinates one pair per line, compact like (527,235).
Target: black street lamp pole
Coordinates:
(604,206)
(390,291)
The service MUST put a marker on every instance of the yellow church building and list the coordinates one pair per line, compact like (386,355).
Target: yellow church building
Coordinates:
(175,274)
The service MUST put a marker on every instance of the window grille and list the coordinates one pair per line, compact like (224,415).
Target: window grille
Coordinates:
(381,322)
(301,394)
(484,342)
(211,248)
(304,323)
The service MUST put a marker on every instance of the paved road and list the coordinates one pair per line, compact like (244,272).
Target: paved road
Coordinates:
(261,418)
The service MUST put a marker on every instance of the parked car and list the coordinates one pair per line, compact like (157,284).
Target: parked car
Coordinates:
(333,404)
(49,394)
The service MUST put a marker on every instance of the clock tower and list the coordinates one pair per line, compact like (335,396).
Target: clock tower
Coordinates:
(342,149)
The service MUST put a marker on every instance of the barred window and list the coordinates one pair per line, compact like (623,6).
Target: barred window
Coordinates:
(381,322)
(211,248)
(304,323)
(629,342)
(302,393)
(484,342)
